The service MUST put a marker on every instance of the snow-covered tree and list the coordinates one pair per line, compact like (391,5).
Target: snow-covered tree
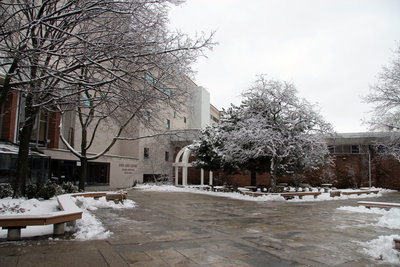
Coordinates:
(274,131)
(211,140)
(385,96)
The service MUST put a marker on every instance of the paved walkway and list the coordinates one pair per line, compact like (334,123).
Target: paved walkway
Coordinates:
(183,229)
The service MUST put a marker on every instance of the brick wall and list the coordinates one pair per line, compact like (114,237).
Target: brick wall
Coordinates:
(350,171)
(9,117)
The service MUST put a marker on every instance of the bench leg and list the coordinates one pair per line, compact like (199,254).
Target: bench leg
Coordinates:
(14,234)
(71,223)
(396,244)
(300,197)
(58,228)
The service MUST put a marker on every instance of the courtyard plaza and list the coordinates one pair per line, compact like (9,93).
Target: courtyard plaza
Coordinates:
(186,229)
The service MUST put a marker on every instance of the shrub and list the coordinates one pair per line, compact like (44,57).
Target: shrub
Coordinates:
(6,190)
(48,190)
(68,187)
(31,191)
(40,190)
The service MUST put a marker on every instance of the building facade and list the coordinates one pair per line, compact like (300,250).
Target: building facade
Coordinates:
(140,159)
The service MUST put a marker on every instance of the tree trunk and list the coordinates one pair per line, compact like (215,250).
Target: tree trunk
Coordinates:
(83,173)
(253,179)
(23,152)
(272,173)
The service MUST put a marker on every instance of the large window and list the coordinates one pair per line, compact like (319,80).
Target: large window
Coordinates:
(146,152)
(40,126)
(157,84)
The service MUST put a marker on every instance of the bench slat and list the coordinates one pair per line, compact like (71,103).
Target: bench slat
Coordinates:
(384,205)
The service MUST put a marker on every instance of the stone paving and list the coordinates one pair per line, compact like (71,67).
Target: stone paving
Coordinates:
(184,229)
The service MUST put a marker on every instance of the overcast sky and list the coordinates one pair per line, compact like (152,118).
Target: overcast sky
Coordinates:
(332,50)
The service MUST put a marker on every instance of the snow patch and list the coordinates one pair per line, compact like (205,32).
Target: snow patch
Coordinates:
(87,228)
(267,197)
(90,203)
(382,249)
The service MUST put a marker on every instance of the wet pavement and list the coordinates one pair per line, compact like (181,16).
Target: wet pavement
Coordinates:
(184,229)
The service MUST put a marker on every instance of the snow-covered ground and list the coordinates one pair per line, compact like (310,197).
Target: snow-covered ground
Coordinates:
(381,248)
(267,197)
(87,228)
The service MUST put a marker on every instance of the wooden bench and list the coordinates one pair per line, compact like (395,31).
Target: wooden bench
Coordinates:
(383,205)
(115,196)
(300,194)
(14,223)
(326,187)
(335,193)
(360,192)
(253,194)
(69,213)
(263,188)
(252,188)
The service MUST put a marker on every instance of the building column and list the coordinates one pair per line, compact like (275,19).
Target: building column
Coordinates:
(184,174)
(211,178)
(176,175)
(202,176)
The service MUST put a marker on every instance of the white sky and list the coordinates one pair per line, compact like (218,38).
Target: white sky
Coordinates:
(331,50)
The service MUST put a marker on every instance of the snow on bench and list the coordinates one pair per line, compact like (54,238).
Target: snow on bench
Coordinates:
(300,194)
(115,196)
(383,205)
(69,213)
(253,194)
(360,192)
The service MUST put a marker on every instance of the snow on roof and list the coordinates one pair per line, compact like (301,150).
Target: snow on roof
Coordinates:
(9,148)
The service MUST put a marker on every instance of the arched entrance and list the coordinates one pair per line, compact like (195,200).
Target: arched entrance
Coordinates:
(182,161)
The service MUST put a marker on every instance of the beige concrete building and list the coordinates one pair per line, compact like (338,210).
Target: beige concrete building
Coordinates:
(140,160)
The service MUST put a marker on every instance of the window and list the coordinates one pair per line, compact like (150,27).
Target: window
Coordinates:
(146,152)
(86,99)
(166,156)
(71,136)
(331,149)
(184,119)
(147,116)
(355,149)
(174,114)
(168,124)
(157,84)
(213,118)
(39,131)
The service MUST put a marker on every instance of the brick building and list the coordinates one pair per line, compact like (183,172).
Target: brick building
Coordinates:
(356,165)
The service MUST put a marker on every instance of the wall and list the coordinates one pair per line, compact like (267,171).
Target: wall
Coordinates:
(200,107)
(123,170)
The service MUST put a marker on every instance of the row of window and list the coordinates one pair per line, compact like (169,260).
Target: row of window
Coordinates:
(146,154)
(346,149)
(167,121)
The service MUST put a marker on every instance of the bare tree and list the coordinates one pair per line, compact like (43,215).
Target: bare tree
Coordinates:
(152,78)
(84,56)
(385,96)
